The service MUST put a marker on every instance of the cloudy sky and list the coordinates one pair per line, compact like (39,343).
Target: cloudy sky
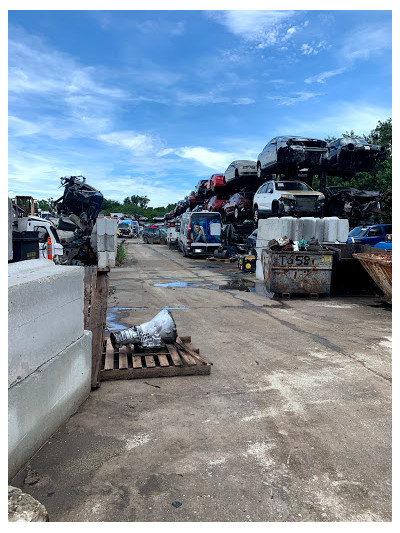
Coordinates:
(150,102)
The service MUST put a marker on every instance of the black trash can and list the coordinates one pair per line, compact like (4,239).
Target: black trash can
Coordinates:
(25,245)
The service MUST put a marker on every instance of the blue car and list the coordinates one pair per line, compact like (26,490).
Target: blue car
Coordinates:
(369,234)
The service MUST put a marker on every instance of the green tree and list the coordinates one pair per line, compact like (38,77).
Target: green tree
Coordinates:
(380,178)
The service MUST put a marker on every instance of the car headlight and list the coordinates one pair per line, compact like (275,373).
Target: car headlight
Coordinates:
(288,196)
(321,197)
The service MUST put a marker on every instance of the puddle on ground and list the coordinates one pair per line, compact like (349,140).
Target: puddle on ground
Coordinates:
(239,285)
(232,284)
(112,312)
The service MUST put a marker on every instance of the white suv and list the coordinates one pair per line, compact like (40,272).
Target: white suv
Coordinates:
(276,198)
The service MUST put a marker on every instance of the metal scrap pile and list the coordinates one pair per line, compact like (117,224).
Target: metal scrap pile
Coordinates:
(356,205)
(78,209)
(284,244)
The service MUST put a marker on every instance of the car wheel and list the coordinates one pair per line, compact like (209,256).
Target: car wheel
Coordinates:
(237,214)
(256,216)
(275,208)
(145,241)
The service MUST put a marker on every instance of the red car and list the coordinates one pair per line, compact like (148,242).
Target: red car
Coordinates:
(239,206)
(194,201)
(217,202)
(215,182)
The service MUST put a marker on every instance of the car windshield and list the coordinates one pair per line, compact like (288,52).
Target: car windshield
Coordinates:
(359,231)
(123,225)
(292,186)
(355,140)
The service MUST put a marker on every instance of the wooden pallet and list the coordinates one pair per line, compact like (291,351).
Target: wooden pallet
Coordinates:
(176,359)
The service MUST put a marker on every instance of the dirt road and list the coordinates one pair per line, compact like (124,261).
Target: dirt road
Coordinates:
(293,423)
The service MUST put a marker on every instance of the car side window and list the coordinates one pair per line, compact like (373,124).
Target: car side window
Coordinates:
(375,232)
(263,188)
(270,187)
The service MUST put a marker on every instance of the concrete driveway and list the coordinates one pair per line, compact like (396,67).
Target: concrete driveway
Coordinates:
(293,423)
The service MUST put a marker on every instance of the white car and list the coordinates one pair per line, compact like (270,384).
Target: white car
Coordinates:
(294,197)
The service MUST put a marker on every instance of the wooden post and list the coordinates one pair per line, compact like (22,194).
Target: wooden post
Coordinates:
(97,320)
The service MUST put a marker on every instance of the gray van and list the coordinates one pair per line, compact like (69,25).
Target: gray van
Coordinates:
(200,233)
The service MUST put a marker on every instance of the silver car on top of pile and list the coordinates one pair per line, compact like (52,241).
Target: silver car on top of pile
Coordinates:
(242,168)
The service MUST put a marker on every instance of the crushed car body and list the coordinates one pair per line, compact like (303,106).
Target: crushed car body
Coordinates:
(348,155)
(290,154)
(353,204)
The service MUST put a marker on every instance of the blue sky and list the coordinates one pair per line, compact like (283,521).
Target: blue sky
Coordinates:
(150,102)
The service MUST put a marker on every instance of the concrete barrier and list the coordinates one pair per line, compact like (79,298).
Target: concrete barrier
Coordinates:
(45,313)
(39,404)
(50,354)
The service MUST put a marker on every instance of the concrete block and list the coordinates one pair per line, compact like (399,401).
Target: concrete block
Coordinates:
(45,313)
(330,229)
(269,228)
(111,226)
(343,230)
(319,229)
(297,229)
(259,269)
(262,243)
(100,227)
(309,228)
(287,227)
(111,243)
(39,404)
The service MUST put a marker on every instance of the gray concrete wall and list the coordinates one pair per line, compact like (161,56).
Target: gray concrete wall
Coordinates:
(39,404)
(49,365)
(45,313)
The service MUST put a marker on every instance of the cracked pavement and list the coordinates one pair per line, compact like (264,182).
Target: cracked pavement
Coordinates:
(293,423)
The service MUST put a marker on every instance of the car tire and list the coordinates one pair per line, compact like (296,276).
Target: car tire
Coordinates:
(275,208)
(256,216)
(145,241)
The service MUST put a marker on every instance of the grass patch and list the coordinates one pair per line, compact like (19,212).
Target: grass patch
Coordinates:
(121,254)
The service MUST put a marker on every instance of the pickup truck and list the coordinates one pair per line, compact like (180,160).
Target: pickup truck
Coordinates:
(369,234)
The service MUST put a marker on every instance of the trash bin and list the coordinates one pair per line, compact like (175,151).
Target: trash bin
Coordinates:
(25,245)
(297,272)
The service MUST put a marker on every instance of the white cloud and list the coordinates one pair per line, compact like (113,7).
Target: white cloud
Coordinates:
(209,158)
(312,48)
(19,127)
(211,98)
(342,116)
(138,143)
(265,28)
(301,96)
(323,76)
(366,42)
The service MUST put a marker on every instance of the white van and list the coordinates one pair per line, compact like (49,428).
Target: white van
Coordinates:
(200,233)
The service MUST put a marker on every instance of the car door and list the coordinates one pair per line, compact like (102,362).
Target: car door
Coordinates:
(373,236)
(269,196)
(231,205)
(260,198)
